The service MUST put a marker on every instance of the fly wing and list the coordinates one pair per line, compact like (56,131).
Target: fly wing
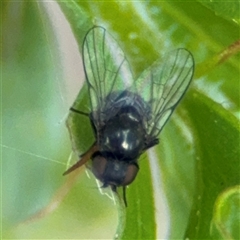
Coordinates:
(107,71)
(163,85)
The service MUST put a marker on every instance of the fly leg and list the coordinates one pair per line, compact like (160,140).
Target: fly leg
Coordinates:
(79,112)
(151,144)
(84,158)
(114,189)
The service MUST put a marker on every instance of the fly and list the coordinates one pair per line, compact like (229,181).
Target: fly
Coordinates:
(127,116)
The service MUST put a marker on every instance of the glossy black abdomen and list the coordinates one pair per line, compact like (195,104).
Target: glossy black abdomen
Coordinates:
(123,135)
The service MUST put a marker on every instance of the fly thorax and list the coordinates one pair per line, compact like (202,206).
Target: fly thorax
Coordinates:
(123,135)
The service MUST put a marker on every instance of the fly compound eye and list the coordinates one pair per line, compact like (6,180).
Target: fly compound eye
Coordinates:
(131,173)
(98,166)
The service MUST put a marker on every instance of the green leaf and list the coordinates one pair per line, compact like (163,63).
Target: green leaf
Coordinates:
(228,10)
(30,135)
(176,192)
(225,222)
(35,143)
(217,159)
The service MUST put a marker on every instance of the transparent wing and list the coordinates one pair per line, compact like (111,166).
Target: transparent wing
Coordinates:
(107,70)
(163,85)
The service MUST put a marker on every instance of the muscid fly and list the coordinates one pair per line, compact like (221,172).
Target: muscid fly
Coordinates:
(127,115)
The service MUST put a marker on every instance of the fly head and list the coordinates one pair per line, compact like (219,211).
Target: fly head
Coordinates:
(113,172)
